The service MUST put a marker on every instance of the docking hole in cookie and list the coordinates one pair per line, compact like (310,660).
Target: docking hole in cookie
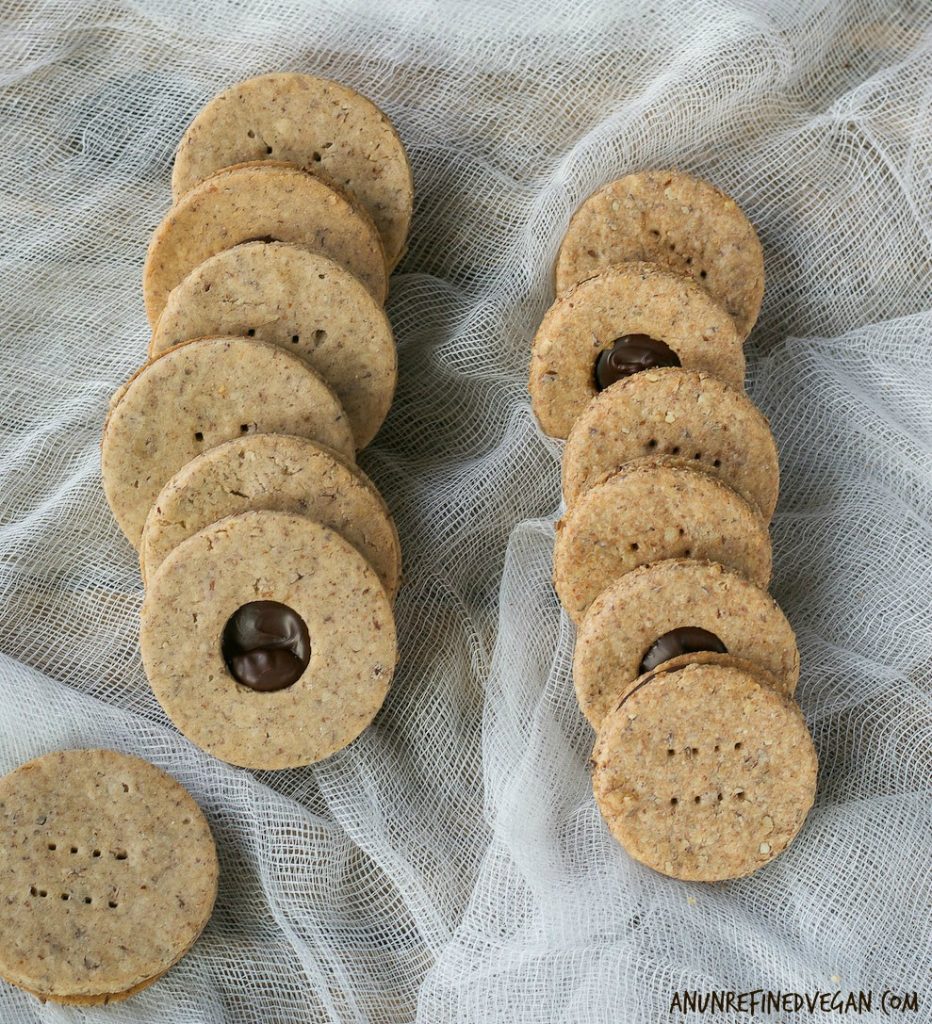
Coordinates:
(265,645)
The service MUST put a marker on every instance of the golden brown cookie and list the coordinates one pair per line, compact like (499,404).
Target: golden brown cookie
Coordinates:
(686,413)
(320,125)
(704,772)
(268,640)
(630,318)
(677,221)
(658,611)
(108,872)
(273,203)
(650,510)
(303,301)
(198,395)
(282,474)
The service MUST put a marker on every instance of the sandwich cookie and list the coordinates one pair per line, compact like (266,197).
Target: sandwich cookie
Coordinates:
(281,474)
(648,511)
(677,221)
(300,300)
(198,395)
(268,640)
(677,607)
(323,127)
(685,413)
(108,872)
(271,203)
(704,772)
(629,319)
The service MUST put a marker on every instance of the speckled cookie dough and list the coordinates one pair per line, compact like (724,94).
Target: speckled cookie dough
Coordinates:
(108,873)
(278,473)
(675,220)
(197,396)
(650,510)
(302,301)
(653,601)
(687,413)
(320,125)
(630,299)
(310,569)
(264,203)
(705,772)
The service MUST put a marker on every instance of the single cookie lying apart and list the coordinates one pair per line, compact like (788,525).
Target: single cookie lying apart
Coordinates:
(677,221)
(704,771)
(649,510)
(301,300)
(685,413)
(269,202)
(108,874)
(198,395)
(284,684)
(321,126)
(278,473)
(657,610)
(628,320)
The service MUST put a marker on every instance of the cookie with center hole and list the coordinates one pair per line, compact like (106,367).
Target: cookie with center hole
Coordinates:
(647,511)
(321,126)
(629,319)
(282,474)
(677,221)
(298,299)
(108,874)
(677,607)
(274,203)
(268,639)
(687,413)
(198,395)
(704,772)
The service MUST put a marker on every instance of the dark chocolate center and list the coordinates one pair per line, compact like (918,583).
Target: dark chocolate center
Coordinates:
(630,354)
(265,645)
(683,640)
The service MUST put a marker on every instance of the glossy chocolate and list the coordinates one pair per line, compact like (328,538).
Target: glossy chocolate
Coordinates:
(683,640)
(630,354)
(265,645)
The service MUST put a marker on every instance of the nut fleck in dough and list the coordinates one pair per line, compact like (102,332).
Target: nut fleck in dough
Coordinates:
(643,605)
(278,473)
(704,772)
(198,395)
(269,203)
(675,220)
(650,510)
(302,301)
(323,127)
(633,298)
(268,556)
(108,874)
(686,413)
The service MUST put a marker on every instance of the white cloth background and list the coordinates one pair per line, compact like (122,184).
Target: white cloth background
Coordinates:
(451,866)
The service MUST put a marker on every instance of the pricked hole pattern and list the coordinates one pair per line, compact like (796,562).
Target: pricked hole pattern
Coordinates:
(316,158)
(716,463)
(119,854)
(703,274)
(675,450)
(634,546)
(697,799)
(250,134)
(319,336)
(251,333)
(52,846)
(268,149)
(652,443)
(112,904)
(198,436)
(295,338)
(244,428)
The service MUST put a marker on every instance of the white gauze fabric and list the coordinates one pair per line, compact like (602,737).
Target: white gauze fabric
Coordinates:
(451,866)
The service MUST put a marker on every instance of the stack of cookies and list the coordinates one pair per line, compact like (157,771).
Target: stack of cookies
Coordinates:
(270,559)
(685,666)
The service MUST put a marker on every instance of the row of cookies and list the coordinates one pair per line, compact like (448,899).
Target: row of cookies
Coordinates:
(270,559)
(703,766)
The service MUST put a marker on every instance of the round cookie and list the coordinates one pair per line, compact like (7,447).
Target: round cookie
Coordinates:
(108,874)
(321,126)
(678,221)
(302,301)
(281,474)
(198,395)
(681,412)
(650,510)
(330,588)
(639,299)
(652,601)
(265,203)
(704,772)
